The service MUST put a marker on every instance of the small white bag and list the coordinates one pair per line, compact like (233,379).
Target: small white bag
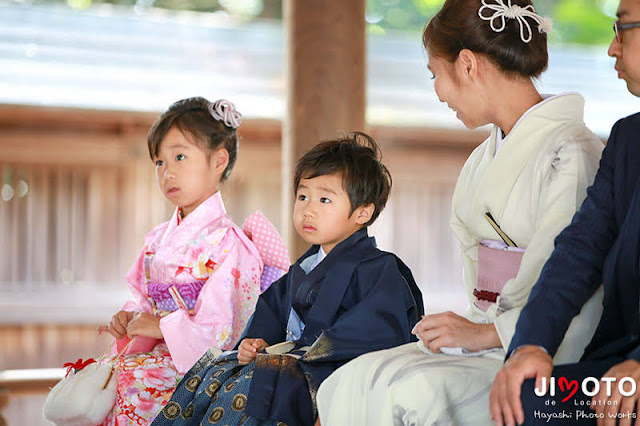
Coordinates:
(86,395)
(83,398)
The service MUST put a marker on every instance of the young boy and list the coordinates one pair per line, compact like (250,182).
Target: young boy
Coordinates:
(342,298)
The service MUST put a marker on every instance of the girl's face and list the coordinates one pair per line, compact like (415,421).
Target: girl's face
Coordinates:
(186,175)
(454,87)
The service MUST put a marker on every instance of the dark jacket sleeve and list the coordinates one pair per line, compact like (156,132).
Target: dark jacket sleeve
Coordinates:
(574,270)
(382,317)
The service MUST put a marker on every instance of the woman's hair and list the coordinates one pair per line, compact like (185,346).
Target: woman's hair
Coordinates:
(357,159)
(458,26)
(192,116)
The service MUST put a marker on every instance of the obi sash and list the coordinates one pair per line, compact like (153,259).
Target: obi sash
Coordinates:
(271,247)
(167,298)
(497,264)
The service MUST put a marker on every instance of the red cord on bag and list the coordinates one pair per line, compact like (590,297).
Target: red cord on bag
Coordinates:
(77,366)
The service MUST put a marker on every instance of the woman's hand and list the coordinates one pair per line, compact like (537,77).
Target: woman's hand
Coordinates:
(248,350)
(452,330)
(144,324)
(118,325)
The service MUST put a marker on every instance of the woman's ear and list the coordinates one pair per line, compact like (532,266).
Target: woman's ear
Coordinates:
(221,160)
(467,64)
(364,213)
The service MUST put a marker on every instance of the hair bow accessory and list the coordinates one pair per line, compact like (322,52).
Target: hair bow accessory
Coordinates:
(226,112)
(501,11)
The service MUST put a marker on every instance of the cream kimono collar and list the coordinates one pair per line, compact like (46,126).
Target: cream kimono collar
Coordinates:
(500,139)
(489,176)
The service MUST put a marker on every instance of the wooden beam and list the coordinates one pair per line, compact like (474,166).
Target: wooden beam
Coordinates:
(326,84)
(21,382)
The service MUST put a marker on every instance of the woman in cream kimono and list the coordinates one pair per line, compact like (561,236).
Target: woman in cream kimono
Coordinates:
(531,175)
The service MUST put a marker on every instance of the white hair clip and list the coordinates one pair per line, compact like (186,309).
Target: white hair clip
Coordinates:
(502,11)
(225,111)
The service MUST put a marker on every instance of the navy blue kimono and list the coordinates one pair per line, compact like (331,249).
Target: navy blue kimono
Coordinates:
(358,299)
(601,245)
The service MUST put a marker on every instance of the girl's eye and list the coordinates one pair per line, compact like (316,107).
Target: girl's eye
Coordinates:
(302,197)
(180,157)
(433,76)
(159,163)
(325,200)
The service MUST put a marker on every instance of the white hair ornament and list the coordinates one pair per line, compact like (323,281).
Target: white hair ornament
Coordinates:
(504,11)
(225,111)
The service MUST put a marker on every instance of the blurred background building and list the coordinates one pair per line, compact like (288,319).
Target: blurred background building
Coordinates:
(81,82)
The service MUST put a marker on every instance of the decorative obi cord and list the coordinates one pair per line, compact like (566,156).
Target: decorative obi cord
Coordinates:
(167,298)
(497,264)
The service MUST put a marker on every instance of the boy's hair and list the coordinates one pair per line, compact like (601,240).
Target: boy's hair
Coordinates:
(357,159)
(192,117)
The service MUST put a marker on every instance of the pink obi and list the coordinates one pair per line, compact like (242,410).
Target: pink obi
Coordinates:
(497,264)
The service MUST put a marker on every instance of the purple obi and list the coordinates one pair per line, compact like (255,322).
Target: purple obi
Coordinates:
(171,297)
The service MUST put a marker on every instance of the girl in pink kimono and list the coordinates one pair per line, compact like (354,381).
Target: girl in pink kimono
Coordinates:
(198,277)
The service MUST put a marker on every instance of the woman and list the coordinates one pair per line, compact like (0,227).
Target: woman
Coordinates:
(530,175)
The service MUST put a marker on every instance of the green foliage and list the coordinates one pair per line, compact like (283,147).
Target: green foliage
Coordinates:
(582,21)
(575,21)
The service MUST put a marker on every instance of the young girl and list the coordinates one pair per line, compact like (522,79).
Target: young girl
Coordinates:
(531,175)
(342,298)
(198,277)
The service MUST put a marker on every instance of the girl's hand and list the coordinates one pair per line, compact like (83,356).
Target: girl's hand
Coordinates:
(118,325)
(145,324)
(248,350)
(452,330)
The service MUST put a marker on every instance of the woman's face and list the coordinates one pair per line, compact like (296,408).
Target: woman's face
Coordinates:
(457,90)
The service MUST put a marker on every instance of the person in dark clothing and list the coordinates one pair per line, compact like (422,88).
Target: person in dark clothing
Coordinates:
(342,298)
(600,246)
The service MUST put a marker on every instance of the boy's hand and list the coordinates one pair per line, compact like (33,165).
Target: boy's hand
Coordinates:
(118,325)
(248,350)
(144,324)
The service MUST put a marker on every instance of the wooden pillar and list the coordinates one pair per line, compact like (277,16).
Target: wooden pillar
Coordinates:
(326,85)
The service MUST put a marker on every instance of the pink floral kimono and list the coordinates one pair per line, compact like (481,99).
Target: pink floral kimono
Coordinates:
(202,275)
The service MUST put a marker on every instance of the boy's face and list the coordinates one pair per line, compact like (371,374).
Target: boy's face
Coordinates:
(321,213)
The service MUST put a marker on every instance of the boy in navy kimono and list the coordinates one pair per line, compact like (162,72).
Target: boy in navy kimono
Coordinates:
(341,299)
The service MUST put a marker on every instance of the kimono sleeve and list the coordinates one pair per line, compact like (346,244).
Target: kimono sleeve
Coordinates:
(381,319)
(223,307)
(565,172)
(574,270)
(136,278)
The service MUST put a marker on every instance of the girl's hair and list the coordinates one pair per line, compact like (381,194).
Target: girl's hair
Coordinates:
(357,159)
(458,26)
(192,117)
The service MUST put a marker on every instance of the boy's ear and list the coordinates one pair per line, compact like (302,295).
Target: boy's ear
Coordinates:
(221,159)
(364,213)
